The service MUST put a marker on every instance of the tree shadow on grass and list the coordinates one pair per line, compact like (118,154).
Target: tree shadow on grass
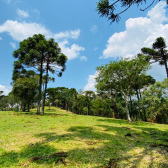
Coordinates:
(21,158)
(114,144)
(95,148)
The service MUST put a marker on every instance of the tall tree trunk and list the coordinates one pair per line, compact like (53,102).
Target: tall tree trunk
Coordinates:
(165,62)
(127,109)
(44,96)
(130,105)
(40,83)
(139,105)
(166,68)
(140,94)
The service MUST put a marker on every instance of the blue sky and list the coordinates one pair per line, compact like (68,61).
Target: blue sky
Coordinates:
(87,40)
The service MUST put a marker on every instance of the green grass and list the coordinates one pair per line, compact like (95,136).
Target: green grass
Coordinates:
(89,141)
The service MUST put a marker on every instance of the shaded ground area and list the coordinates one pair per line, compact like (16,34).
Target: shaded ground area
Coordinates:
(28,140)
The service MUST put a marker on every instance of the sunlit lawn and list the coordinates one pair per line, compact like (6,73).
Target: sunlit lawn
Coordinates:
(30,140)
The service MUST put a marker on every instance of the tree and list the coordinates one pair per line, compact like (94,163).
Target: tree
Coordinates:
(141,82)
(55,63)
(25,89)
(89,95)
(38,53)
(154,98)
(108,10)
(158,53)
(1,94)
(122,74)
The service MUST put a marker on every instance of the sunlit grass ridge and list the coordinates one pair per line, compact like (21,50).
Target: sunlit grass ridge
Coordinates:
(87,141)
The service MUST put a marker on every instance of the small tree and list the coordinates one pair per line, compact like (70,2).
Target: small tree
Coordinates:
(158,53)
(89,95)
(25,90)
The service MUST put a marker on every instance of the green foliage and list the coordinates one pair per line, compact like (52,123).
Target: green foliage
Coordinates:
(155,101)
(41,54)
(121,76)
(110,10)
(102,107)
(24,90)
(157,53)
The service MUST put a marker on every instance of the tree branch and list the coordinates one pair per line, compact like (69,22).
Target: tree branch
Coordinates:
(148,6)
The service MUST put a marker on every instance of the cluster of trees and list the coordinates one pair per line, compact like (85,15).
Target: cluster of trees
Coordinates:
(43,56)
(6,102)
(146,101)
(124,90)
(84,103)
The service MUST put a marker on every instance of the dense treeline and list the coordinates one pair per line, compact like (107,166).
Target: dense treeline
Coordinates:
(123,88)
(149,104)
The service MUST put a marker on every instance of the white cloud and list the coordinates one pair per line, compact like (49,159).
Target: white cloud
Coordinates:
(94,29)
(70,52)
(5,89)
(83,58)
(23,30)
(95,48)
(68,34)
(20,31)
(13,45)
(22,13)
(140,32)
(0,38)
(91,82)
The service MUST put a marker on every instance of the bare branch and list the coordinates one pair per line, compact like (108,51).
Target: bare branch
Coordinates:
(148,6)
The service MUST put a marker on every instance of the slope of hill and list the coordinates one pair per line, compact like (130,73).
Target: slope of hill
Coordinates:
(60,138)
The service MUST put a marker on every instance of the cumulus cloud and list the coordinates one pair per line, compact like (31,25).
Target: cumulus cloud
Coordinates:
(68,34)
(83,58)
(22,30)
(22,13)
(139,32)
(0,38)
(13,45)
(91,82)
(72,51)
(5,89)
(94,29)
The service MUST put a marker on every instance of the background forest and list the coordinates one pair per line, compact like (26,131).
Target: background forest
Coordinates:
(124,90)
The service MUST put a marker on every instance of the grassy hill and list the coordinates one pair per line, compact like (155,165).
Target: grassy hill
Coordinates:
(60,137)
